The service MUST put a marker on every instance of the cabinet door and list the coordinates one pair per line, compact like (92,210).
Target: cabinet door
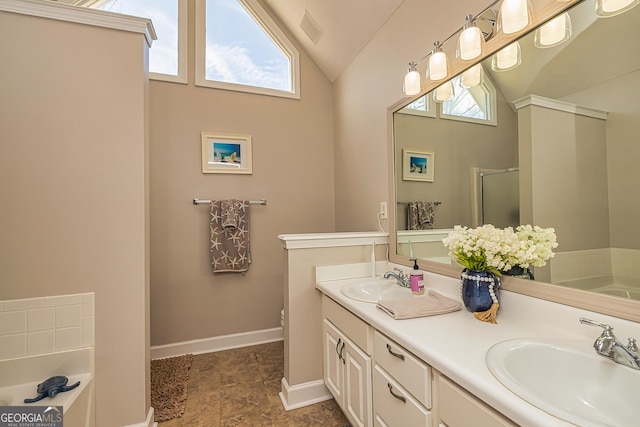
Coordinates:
(332,343)
(357,386)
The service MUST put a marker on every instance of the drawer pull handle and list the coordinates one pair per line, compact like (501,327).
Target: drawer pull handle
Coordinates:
(397,396)
(338,348)
(344,361)
(398,355)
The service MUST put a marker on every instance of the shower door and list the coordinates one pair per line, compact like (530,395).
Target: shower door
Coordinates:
(500,199)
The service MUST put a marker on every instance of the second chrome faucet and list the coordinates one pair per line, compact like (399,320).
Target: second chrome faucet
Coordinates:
(607,345)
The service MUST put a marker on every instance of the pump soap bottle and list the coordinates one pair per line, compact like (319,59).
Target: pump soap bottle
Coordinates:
(416,279)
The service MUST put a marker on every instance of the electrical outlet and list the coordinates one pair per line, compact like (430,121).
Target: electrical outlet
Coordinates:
(383,210)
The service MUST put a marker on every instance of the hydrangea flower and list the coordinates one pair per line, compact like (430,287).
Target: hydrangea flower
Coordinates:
(490,248)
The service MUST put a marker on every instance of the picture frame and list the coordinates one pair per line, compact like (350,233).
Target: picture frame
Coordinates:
(226,153)
(417,165)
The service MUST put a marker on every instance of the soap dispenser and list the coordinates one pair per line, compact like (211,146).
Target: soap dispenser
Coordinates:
(416,279)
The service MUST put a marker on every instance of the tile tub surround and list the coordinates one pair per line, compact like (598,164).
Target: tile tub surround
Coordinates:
(44,325)
(456,343)
(19,378)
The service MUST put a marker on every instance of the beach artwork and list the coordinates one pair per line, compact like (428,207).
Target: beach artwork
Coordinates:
(226,153)
(417,165)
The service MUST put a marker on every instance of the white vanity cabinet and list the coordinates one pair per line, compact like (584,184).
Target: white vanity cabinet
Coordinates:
(346,345)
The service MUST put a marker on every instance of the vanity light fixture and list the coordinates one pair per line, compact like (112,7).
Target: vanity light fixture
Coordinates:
(555,32)
(470,46)
(444,92)
(608,8)
(514,15)
(472,77)
(412,80)
(438,68)
(508,58)
(471,41)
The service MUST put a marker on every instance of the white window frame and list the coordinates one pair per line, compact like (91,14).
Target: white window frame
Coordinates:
(183,11)
(428,101)
(493,107)
(181,77)
(271,29)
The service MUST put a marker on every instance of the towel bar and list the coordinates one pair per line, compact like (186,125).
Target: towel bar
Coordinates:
(206,202)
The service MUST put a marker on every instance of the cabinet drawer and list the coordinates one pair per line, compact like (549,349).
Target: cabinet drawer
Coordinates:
(394,406)
(411,372)
(459,408)
(352,326)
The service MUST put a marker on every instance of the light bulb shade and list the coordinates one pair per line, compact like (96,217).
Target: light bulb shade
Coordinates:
(514,15)
(444,92)
(412,82)
(508,58)
(470,43)
(474,76)
(608,8)
(438,67)
(554,32)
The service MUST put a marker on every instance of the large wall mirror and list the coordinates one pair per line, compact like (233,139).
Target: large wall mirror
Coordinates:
(552,142)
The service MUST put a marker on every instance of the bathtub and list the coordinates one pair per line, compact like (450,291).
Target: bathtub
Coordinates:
(620,291)
(618,286)
(19,379)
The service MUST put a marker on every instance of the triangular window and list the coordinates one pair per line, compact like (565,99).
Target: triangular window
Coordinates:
(476,104)
(239,47)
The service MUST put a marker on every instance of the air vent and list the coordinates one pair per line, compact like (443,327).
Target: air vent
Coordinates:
(310,27)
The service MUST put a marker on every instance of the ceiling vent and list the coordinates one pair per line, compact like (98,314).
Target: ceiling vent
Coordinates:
(310,27)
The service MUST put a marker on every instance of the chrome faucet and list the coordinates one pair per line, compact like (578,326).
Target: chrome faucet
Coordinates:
(607,345)
(401,277)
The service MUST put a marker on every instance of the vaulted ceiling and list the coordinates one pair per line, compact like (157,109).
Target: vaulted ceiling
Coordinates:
(341,28)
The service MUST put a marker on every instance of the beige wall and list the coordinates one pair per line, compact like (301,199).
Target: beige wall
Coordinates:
(303,343)
(619,98)
(292,169)
(568,181)
(457,146)
(73,186)
(364,91)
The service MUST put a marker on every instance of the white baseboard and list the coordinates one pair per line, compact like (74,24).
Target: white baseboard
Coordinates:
(297,396)
(213,344)
(149,422)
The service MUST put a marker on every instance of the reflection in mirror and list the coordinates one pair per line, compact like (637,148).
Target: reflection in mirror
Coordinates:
(551,142)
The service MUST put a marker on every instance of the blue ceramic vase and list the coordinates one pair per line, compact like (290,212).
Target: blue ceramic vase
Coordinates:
(519,272)
(479,290)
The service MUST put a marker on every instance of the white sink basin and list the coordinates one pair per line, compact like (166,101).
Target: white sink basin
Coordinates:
(373,290)
(568,380)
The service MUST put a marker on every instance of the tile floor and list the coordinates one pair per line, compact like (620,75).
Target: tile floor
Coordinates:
(240,388)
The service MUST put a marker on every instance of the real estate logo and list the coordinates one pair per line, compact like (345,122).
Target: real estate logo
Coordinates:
(31,416)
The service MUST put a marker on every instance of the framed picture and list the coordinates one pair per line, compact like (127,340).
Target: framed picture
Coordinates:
(417,165)
(226,153)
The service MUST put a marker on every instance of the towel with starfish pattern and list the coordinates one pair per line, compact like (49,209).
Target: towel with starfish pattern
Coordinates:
(420,215)
(229,227)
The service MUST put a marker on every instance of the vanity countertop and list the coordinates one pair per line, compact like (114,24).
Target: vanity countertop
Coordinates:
(456,343)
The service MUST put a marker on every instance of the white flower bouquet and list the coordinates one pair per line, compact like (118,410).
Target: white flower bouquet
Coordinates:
(494,249)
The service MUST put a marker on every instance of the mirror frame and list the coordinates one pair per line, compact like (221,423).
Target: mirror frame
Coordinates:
(605,304)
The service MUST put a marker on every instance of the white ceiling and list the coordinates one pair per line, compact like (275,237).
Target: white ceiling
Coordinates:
(347,26)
